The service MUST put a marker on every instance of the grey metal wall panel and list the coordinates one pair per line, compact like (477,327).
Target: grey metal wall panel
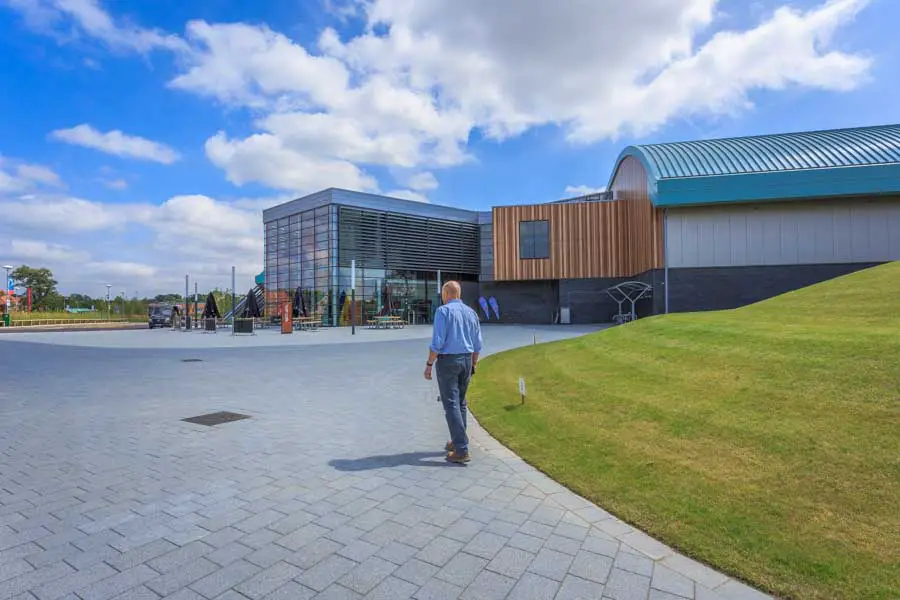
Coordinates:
(823,232)
(385,240)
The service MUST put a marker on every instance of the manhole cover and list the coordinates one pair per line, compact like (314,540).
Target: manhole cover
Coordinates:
(216,418)
(191,360)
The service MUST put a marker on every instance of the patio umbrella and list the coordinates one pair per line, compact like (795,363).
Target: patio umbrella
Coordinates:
(252,309)
(303,308)
(211,309)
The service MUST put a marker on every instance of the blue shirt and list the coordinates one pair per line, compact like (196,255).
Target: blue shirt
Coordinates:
(456,329)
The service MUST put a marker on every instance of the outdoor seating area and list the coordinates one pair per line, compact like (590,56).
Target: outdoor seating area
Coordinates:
(386,322)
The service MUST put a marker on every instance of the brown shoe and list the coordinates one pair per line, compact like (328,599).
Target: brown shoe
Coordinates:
(458,458)
(449,446)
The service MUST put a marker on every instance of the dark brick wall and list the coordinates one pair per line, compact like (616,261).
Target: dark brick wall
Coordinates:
(732,287)
(589,303)
(530,302)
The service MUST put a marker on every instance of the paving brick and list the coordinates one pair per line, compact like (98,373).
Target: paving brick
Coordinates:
(562,544)
(326,572)
(392,589)
(512,562)
(396,552)
(74,581)
(624,585)
(338,592)
(534,587)
(486,545)
(659,595)
(598,545)
(437,589)
(14,569)
(551,564)
(634,563)
(575,588)
(364,577)
(142,554)
(358,550)
(268,555)
(416,571)
(182,576)
(439,551)
(291,591)
(138,593)
(118,584)
(268,580)
(590,566)
(488,586)
(218,582)
(302,537)
(462,569)
(421,535)
(666,580)
(313,553)
(178,557)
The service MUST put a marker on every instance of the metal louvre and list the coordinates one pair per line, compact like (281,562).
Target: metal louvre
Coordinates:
(381,240)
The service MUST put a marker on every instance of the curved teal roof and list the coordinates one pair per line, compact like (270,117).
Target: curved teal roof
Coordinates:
(861,160)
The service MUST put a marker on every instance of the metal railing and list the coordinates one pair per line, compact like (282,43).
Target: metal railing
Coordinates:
(39,322)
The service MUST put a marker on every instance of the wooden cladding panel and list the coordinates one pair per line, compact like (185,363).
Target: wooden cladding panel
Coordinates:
(587,239)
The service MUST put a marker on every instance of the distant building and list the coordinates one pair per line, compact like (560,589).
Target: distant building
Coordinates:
(709,224)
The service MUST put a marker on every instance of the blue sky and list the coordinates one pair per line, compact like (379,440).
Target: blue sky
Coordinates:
(140,140)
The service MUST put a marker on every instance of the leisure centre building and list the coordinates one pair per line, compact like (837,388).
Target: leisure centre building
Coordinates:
(707,225)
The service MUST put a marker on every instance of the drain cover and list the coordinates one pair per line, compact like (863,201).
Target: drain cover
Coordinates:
(191,360)
(216,418)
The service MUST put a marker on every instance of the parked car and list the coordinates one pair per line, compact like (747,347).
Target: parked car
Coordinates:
(159,315)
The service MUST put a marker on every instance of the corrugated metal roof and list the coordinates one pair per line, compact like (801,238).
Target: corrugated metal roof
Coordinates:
(879,145)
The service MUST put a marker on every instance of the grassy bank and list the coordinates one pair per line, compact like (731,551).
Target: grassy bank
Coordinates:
(764,441)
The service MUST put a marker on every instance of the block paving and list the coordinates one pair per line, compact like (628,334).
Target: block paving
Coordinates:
(335,488)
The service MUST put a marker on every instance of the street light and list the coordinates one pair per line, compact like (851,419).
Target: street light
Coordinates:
(108,310)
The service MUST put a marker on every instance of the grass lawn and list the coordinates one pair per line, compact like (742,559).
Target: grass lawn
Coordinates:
(17,316)
(764,441)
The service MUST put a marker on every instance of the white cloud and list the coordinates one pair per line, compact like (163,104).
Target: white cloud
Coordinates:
(29,250)
(112,270)
(423,181)
(39,174)
(265,158)
(407,195)
(583,190)
(20,177)
(115,184)
(92,21)
(61,214)
(117,143)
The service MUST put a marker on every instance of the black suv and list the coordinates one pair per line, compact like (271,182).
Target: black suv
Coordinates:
(160,316)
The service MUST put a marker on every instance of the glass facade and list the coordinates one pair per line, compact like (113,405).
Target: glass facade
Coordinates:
(400,262)
(301,254)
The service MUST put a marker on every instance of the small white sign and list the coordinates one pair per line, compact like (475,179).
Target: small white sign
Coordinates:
(522,385)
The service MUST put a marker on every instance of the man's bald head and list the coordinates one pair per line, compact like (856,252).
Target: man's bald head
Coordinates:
(451,291)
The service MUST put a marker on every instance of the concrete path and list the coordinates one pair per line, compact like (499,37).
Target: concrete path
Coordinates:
(335,488)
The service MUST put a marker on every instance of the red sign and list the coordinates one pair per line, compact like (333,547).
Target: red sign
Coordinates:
(287,325)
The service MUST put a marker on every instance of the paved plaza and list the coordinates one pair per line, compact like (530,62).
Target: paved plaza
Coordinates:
(334,488)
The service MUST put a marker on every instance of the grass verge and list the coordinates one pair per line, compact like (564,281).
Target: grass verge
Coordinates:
(764,441)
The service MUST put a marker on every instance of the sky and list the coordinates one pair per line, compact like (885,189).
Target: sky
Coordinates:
(140,141)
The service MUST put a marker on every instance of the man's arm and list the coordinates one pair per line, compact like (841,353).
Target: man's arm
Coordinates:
(438,336)
(477,342)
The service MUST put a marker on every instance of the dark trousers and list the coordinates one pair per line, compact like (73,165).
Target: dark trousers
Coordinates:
(454,371)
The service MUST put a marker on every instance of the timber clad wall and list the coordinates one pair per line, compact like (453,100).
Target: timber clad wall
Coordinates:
(588,239)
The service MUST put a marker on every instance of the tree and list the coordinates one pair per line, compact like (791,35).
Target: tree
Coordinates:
(40,281)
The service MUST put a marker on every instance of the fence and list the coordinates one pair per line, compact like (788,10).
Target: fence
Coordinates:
(40,322)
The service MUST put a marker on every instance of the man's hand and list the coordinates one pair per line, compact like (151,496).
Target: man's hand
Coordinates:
(428,372)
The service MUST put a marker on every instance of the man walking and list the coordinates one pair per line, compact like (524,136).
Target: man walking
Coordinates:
(455,346)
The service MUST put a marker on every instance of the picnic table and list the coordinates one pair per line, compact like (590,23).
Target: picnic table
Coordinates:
(307,323)
(387,322)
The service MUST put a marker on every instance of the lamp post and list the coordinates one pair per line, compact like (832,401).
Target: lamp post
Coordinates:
(108,309)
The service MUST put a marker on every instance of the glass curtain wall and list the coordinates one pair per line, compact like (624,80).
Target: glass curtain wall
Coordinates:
(301,258)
